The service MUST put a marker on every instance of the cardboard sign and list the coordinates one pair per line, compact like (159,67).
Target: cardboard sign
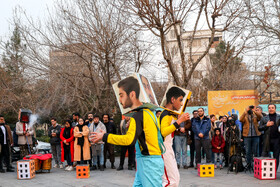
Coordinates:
(133,90)
(186,98)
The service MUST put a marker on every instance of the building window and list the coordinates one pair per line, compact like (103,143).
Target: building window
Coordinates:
(196,42)
(172,34)
(215,39)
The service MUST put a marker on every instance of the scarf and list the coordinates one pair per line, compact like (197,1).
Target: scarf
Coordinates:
(81,140)
(66,133)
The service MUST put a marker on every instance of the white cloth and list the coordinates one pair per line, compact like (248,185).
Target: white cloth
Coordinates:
(171,176)
(4,132)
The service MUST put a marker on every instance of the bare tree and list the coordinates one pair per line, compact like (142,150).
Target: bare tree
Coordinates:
(162,16)
(264,18)
(82,49)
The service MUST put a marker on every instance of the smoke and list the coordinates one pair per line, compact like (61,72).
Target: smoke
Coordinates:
(32,120)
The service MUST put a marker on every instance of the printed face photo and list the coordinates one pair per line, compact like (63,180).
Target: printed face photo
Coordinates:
(177,97)
(132,90)
(148,89)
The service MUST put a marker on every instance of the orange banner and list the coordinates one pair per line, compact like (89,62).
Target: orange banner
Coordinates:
(231,101)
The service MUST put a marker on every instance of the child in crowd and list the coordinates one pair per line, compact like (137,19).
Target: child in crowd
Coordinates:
(218,144)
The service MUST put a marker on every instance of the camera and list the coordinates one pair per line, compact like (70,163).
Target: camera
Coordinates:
(231,122)
(250,111)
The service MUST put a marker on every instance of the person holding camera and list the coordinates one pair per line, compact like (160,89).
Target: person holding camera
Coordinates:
(251,133)
(270,125)
(233,137)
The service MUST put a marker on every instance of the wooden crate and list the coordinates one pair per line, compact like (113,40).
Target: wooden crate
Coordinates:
(265,168)
(25,169)
(47,164)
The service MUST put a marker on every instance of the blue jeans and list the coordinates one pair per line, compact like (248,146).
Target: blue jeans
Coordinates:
(220,156)
(98,150)
(181,149)
(252,148)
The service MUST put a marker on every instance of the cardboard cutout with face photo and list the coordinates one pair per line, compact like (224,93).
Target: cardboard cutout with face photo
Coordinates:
(178,96)
(133,90)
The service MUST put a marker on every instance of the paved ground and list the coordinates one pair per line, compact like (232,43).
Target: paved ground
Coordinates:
(111,177)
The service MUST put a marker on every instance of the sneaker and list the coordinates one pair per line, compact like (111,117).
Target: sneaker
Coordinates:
(70,168)
(55,166)
(66,168)
(61,166)
(130,168)
(215,166)
(120,168)
(186,167)
(112,166)
(74,164)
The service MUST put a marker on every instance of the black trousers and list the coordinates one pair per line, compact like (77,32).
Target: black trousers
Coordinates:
(192,150)
(275,148)
(226,153)
(5,155)
(109,148)
(205,144)
(90,161)
(131,155)
(261,144)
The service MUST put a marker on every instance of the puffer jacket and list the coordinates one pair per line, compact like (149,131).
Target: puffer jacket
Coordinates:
(201,126)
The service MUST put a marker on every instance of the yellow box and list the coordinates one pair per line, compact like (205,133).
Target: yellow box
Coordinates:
(205,170)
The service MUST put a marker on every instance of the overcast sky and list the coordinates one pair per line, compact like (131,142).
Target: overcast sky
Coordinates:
(34,8)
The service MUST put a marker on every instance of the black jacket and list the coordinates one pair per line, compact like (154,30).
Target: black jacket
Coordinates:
(55,140)
(2,136)
(266,129)
(110,127)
